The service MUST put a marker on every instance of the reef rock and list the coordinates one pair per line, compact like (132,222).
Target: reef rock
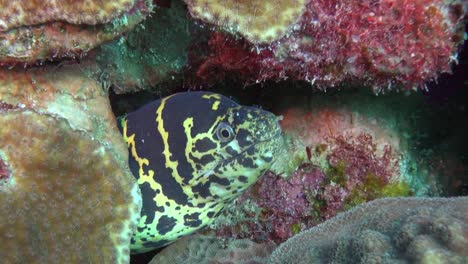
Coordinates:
(66,193)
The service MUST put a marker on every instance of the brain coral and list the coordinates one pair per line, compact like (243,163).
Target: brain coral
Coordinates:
(204,249)
(66,194)
(390,230)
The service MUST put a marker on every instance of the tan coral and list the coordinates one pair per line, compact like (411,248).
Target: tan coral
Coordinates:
(67,195)
(37,36)
(26,13)
(259,21)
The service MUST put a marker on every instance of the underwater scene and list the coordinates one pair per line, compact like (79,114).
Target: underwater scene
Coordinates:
(234,132)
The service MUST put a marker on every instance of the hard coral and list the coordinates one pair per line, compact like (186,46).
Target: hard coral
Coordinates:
(27,13)
(70,197)
(258,21)
(416,230)
(56,31)
(383,44)
(205,250)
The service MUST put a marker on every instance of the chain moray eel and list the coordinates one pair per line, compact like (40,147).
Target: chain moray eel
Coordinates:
(193,153)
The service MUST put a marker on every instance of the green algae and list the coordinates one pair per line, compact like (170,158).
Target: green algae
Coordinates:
(337,174)
(296,228)
(375,187)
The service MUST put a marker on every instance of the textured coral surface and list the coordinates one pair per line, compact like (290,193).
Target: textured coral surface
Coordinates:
(258,21)
(403,230)
(70,197)
(384,43)
(58,37)
(205,250)
(16,13)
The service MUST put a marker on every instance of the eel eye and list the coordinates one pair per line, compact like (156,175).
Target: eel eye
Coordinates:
(224,132)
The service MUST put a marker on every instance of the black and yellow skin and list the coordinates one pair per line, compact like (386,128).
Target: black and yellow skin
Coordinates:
(193,153)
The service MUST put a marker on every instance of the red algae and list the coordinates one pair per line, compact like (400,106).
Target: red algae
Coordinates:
(359,157)
(227,56)
(344,171)
(6,107)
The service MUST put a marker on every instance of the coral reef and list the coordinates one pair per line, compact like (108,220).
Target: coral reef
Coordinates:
(62,29)
(280,208)
(389,230)
(416,230)
(391,135)
(258,21)
(384,44)
(69,196)
(344,149)
(204,249)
